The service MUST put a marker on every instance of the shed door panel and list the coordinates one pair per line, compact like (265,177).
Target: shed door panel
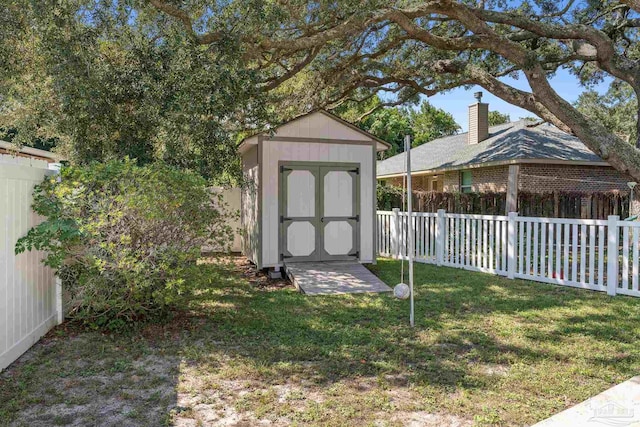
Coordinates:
(301,188)
(320,218)
(340,220)
(299,228)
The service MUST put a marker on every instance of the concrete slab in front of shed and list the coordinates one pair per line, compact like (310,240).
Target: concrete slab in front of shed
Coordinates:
(332,278)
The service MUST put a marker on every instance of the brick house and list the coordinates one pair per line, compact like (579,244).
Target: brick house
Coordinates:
(518,156)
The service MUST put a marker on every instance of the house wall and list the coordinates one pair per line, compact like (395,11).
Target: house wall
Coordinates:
(419,182)
(534,178)
(492,179)
(396,182)
(276,151)
(541,177)
(250,206)
(451,182)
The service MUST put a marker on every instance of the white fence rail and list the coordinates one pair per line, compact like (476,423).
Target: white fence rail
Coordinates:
(601,255)
(29,296)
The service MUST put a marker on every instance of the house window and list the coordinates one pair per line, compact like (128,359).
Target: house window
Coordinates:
(466,179)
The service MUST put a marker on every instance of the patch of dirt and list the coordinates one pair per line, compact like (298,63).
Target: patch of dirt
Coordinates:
(202,405)
(494,369)
(257,278)
(427,419)
(214,415)
(140,395)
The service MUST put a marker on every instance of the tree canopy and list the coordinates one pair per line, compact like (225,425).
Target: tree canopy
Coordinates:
(426,47)
(615,110)
(429,123)
(184,74)
(391,124)
(498,118)
(117,79)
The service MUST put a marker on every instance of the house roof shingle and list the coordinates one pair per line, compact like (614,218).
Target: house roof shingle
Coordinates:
(518,140)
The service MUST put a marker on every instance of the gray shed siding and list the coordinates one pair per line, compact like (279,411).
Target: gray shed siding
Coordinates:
(250,205)
(276,151)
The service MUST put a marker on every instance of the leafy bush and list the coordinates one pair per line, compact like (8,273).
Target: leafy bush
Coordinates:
(388,196)
(125,239)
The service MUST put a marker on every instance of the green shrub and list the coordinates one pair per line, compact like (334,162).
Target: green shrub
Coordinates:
(388,196)
(125,239)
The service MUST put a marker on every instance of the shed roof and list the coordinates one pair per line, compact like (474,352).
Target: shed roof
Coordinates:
(508,143)
(356,134)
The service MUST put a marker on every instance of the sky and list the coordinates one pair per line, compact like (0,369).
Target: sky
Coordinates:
(457,101)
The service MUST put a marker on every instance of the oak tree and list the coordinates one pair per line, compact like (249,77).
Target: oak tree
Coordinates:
(409,48)
(423,123)
(111,79)
(498,118)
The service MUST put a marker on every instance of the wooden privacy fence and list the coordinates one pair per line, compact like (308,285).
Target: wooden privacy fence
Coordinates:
(567,204)
(600,255)
(556,204)
(29,295)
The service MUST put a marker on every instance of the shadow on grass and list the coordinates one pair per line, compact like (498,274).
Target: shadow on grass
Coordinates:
(368,335)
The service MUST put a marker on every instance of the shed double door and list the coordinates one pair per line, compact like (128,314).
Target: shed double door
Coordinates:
(319,212)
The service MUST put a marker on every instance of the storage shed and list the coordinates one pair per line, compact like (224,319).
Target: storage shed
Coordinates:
(310,192)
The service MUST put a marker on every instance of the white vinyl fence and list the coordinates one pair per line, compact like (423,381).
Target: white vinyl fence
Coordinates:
(29,295)
(601,255)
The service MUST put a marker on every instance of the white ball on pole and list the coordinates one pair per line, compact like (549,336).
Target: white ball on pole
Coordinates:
(401,291)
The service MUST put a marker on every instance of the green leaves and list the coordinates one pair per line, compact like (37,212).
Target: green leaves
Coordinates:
(391,124)
(497,118)
(116,79)
(124,238)
(430,123)
(616,110)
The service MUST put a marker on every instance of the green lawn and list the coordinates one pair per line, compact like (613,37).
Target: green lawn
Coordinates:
(485,351)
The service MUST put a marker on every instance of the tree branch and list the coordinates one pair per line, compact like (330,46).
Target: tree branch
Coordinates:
(605,50)
(633,4)
(618,153)
(185,19)
(277,81)
(501,41)
(383,105)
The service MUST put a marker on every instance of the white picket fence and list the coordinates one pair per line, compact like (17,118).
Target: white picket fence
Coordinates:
(29,295)
(601,255)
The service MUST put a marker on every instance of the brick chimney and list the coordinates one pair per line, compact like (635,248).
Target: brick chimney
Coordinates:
(478,120)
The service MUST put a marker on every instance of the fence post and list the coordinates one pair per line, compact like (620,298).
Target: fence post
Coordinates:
(395,233)
(440,233)
(59,302)
(613,235)
(511,245)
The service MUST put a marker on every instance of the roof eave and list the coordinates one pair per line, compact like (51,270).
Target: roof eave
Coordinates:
(499,163)
(385,144)
(36,152)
